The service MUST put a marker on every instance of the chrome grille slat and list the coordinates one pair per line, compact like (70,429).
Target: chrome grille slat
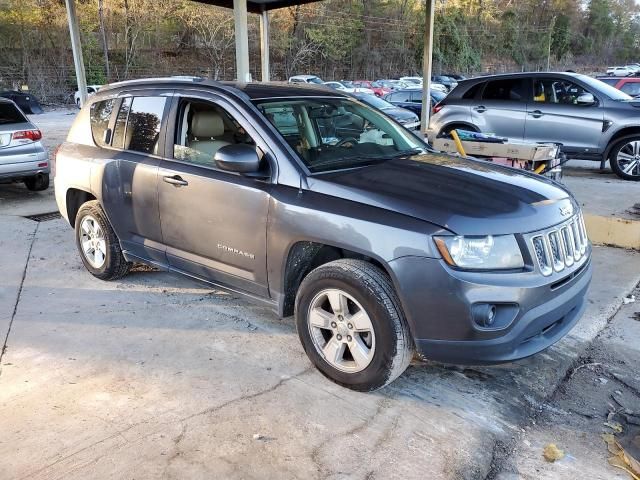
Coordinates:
(560,247)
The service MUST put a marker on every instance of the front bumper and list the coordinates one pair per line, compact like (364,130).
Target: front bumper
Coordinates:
(438,302)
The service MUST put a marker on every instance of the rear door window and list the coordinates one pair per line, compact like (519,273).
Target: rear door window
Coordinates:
(138,124)
(9,113)
(509,90)
(100,116)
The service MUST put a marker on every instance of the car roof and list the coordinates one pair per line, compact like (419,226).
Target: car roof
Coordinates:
(249,91)
(304,76)
(622,79)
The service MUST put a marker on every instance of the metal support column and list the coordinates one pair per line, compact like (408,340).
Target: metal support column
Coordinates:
(426,66)
(77,50)
(264,45)
(242,40)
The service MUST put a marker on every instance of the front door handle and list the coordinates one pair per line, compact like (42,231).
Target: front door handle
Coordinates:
(536,114)
(176,180)
(480,109)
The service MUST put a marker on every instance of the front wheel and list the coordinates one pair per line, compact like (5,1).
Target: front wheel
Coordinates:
(98,245)
(625,157)
(351,325)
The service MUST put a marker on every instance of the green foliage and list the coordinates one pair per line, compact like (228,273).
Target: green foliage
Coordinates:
(342,39)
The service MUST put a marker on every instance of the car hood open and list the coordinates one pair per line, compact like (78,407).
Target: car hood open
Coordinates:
(467,197)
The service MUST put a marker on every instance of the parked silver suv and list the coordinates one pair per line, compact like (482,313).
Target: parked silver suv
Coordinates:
(22,156)
(591,119)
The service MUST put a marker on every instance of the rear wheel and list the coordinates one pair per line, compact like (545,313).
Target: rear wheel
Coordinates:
(38,182)
(351,325)
(98,245)
(625,157)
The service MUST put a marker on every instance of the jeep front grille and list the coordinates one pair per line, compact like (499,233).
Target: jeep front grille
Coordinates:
(560,247)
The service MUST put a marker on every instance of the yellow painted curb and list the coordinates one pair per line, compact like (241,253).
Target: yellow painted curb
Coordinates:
(619,232)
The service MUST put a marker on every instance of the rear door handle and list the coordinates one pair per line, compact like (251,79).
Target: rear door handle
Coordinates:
(536,114)
(176,180)
(480,109)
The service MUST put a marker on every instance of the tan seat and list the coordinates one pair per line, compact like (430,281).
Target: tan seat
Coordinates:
(206,127)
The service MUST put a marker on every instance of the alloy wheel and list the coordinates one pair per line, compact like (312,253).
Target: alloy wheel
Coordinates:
(341,330)
(93,242)
(628,158)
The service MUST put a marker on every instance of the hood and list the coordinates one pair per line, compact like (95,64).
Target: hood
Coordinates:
(400,113)
(467,197)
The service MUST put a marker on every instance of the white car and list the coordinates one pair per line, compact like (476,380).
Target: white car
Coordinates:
(416,83)
(306,79)
(620,71)
(634,67)
(347,89)
(91,89)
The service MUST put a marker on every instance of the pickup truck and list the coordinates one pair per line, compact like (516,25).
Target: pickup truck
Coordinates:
(313,203)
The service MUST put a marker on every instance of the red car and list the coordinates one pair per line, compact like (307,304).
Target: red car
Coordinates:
(629,85)
(378,89)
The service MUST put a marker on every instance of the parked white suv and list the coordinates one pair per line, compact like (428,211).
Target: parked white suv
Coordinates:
(91,90)
(620,71)
(306,79)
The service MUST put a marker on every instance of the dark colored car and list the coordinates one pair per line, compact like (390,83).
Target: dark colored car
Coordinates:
(27,102)
(628,85)
(448,82)
(592,120)
(319,206)
(411,99)
(456,77)
(403,116)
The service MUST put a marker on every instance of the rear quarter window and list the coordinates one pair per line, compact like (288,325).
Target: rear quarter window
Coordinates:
(9,113)
(505,90)
(100,116)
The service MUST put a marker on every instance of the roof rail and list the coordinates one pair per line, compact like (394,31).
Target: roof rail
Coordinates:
(184,78)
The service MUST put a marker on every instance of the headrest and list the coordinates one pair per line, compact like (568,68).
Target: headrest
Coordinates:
(206,124)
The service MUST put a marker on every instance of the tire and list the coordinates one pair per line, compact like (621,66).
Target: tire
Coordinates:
(78,103)
(37,183)
(629,145)
(389,346)
(107,263)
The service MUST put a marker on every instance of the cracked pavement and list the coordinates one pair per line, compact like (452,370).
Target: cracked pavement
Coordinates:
(156,376)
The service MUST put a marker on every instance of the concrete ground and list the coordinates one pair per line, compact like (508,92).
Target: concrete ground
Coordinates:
(155,376)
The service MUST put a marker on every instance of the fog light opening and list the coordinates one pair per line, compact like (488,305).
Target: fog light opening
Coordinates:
(484,314)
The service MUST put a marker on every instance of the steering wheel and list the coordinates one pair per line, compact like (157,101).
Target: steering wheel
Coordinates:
(345,141)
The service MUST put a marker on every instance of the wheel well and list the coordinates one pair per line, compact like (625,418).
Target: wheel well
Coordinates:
(619,134)
(306,256)
(455,125)
(75,199)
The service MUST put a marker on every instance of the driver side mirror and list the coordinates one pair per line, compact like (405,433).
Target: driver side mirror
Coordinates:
(239,158)
(586,99)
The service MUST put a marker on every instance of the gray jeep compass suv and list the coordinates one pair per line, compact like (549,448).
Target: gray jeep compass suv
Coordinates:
(321,207)
(592,120)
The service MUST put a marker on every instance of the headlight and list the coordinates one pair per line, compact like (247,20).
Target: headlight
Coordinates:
(480,253)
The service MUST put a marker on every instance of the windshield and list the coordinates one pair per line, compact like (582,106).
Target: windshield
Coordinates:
(10,114)
(338,133)
(314,80)
(375,102)
(602,87)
